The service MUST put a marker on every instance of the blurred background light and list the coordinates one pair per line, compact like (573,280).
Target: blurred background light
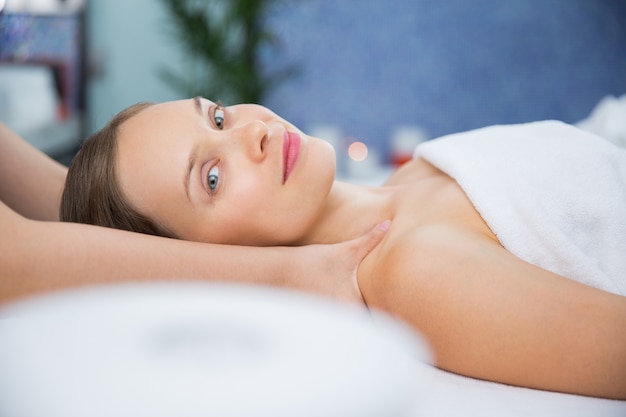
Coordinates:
(357,151)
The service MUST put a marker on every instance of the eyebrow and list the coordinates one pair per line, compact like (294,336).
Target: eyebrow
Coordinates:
(193,155)
(197,102)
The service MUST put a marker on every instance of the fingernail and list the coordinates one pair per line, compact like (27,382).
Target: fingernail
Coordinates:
(384,226)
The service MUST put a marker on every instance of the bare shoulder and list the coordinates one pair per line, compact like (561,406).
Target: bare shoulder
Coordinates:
(428,257)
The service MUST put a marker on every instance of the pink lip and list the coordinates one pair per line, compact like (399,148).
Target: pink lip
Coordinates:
(291,151)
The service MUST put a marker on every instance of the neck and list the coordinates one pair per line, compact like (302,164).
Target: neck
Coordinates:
(350,211)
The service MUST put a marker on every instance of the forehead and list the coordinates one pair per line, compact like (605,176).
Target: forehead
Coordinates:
(153,147)
(158,114)
(157,126)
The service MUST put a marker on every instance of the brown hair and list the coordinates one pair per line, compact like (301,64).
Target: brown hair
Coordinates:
(92,194)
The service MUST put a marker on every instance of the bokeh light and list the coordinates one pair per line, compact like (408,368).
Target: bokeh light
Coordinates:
(357,151)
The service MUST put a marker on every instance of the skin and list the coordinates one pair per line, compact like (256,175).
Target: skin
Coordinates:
(39,254)
(486,313)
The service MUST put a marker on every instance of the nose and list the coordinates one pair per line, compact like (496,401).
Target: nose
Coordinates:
(254,136)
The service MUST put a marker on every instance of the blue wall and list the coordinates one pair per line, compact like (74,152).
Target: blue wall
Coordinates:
(447,66)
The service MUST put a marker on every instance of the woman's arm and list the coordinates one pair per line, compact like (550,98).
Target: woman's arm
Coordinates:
(30,181)
(492,316)
(37,256)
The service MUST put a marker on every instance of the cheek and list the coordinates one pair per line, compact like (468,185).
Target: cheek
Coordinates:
(257,214)
(245,213)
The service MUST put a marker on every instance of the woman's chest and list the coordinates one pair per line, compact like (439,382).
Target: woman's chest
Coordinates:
(437,200)
(424,214)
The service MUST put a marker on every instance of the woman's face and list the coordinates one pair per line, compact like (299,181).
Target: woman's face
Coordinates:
(235,175)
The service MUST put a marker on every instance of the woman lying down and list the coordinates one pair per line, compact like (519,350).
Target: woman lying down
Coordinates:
(506,250)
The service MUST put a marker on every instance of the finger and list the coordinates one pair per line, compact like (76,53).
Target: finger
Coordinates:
(366,243)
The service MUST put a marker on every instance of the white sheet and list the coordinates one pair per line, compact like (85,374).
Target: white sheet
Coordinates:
(450,395)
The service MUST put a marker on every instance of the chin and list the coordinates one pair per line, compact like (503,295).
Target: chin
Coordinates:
(325,156)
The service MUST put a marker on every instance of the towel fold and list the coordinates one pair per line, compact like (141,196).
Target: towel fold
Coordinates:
(553,194)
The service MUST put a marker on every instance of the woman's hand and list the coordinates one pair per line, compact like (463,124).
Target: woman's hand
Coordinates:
(331,270)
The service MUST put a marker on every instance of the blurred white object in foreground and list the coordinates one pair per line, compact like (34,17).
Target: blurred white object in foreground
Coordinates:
(180,350)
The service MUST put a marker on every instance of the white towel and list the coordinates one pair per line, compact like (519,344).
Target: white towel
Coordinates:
(553,194)
(608,119)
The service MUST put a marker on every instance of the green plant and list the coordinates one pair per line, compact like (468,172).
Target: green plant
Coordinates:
(223,40)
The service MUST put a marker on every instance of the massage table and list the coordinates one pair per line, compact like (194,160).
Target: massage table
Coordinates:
(149,350)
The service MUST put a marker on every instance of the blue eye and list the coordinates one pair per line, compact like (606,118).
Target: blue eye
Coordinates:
(218,117)
(213,178)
